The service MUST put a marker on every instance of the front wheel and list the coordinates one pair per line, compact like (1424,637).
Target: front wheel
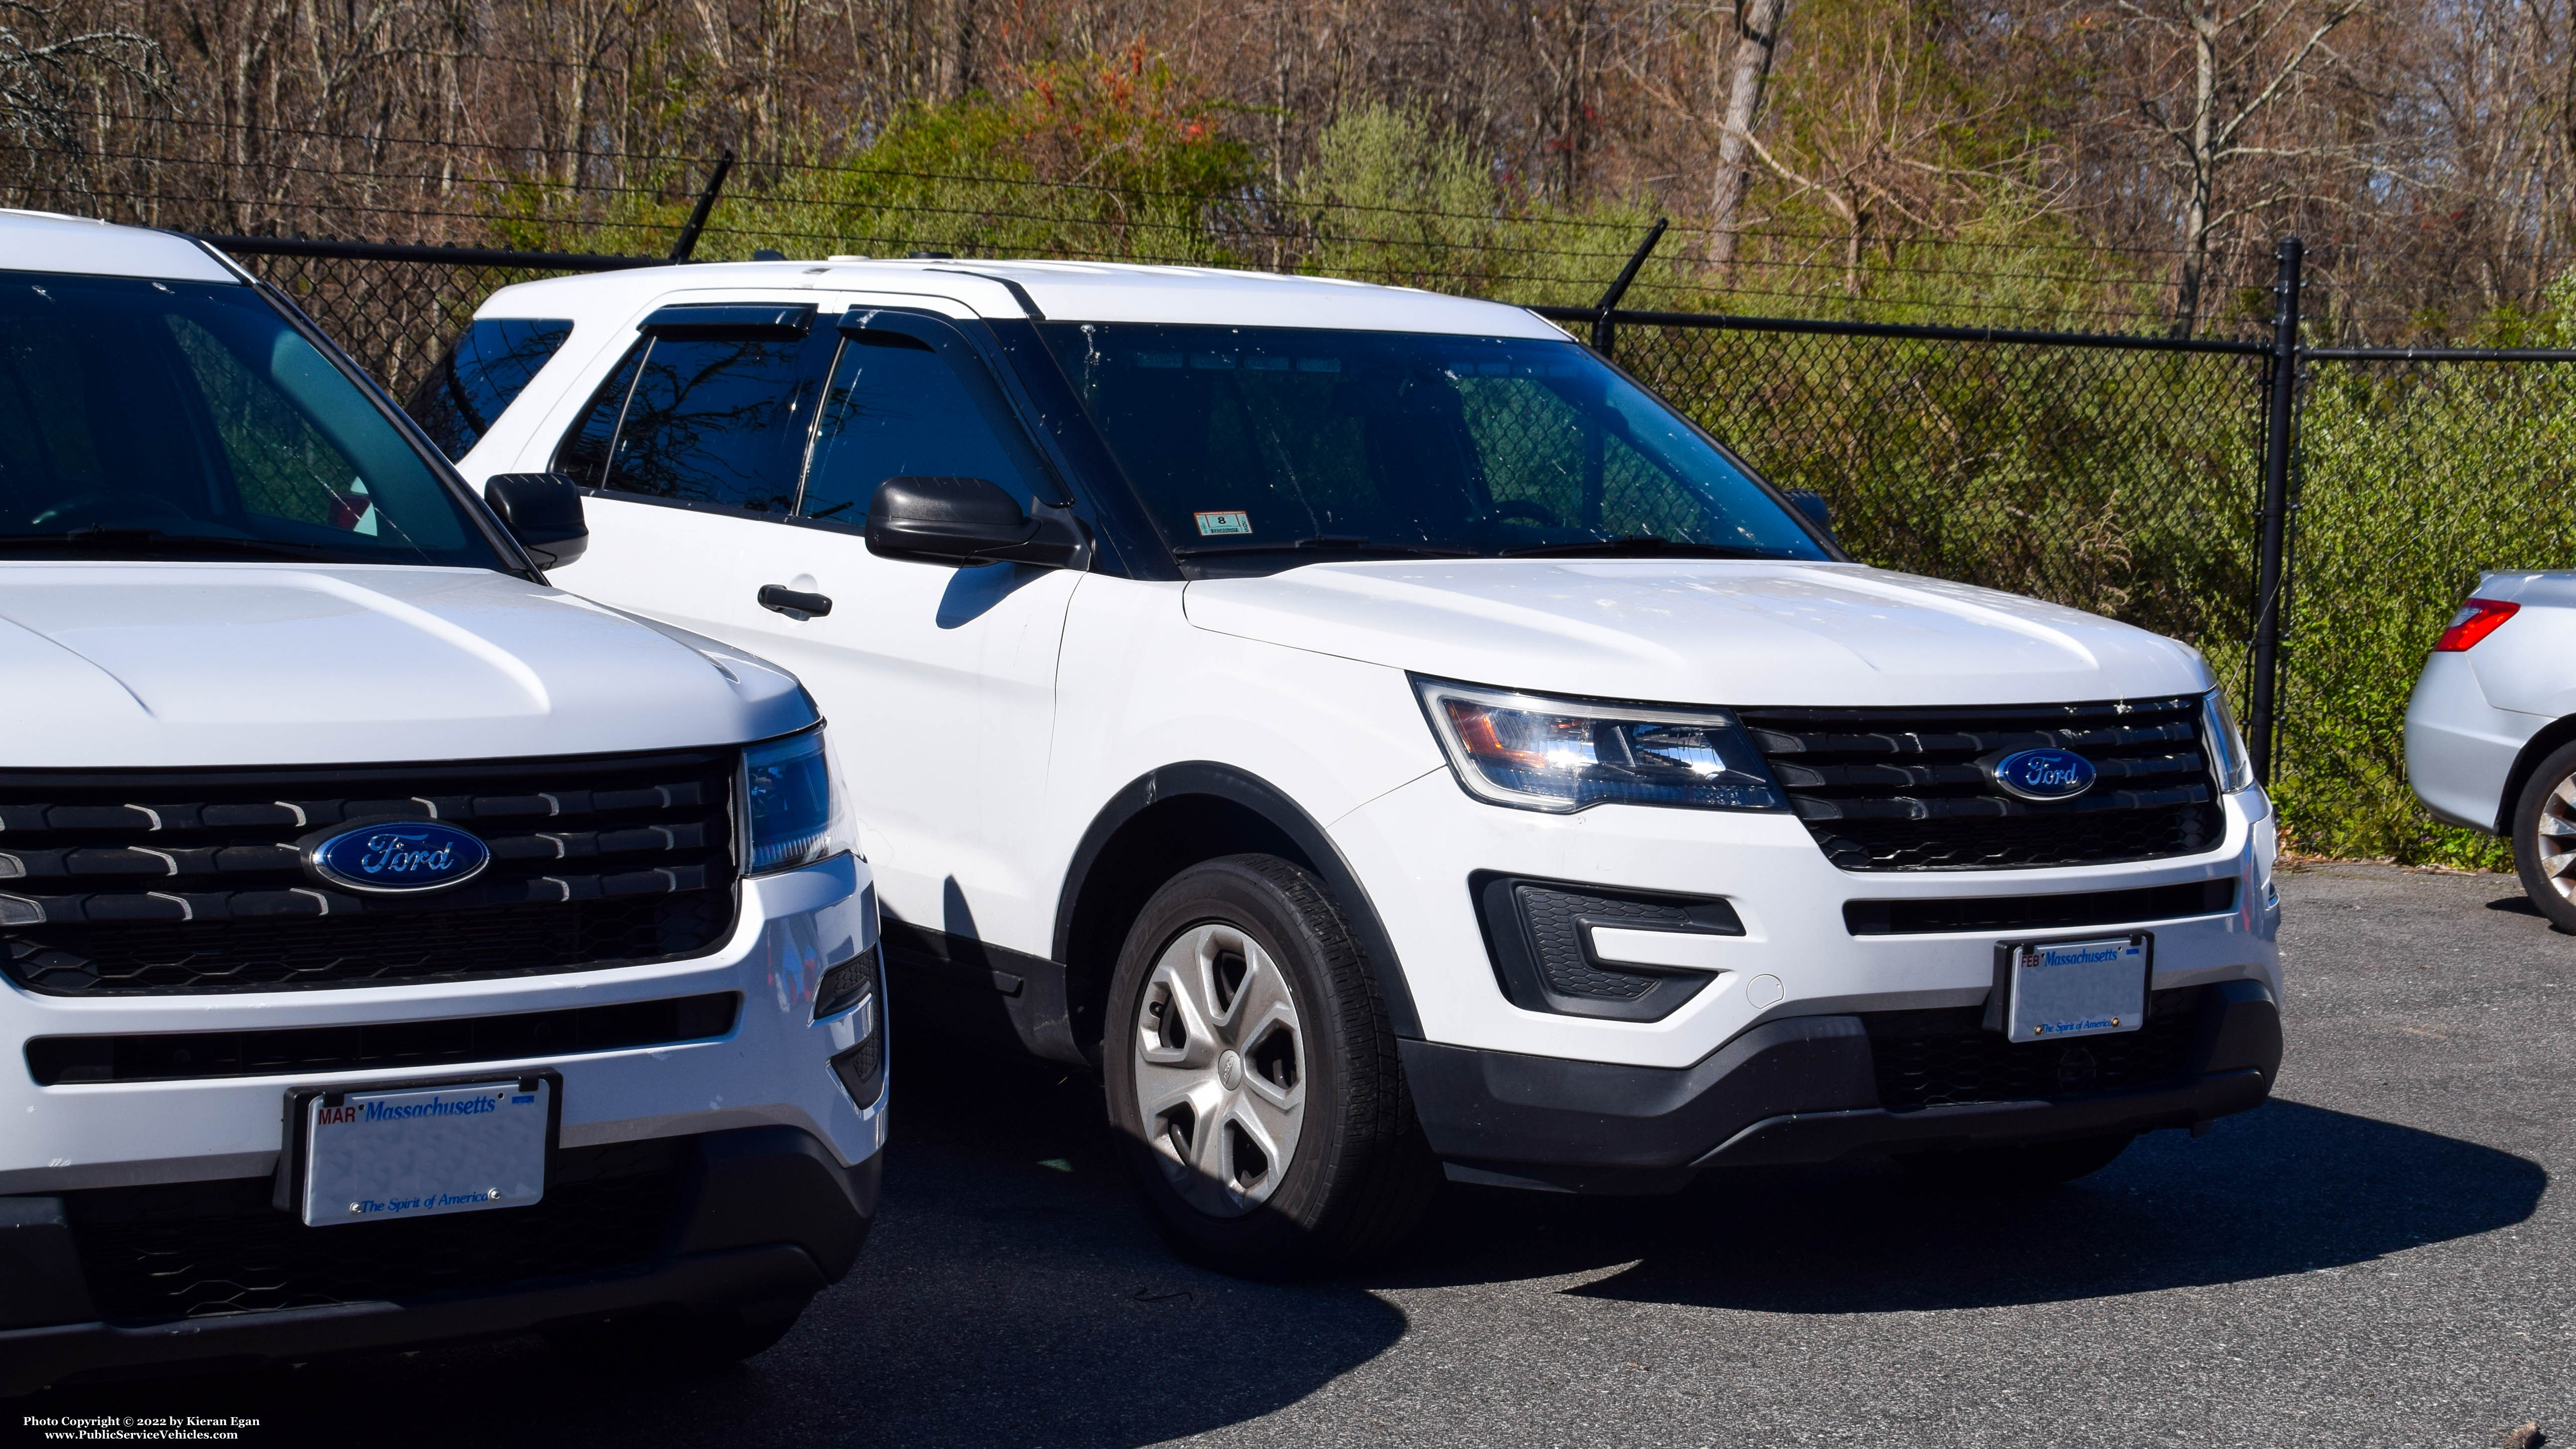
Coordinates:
(2544,837)
(1253,1079)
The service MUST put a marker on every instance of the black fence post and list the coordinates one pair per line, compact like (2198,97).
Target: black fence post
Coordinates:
(687,245)
(2271,569)
(1603,333)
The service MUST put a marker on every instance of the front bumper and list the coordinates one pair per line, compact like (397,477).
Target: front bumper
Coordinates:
(770,1069)
(1417,849)
(767,1176)
(1800,1089)
(763,1218)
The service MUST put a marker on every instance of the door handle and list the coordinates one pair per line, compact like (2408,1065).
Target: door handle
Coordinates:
(790,601)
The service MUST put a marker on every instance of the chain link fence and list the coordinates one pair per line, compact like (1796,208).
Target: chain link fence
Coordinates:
(395,308)
(2417,473)
(2122,475)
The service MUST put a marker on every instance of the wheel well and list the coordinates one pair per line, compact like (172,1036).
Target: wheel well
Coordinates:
(1148,849)
(2535,750)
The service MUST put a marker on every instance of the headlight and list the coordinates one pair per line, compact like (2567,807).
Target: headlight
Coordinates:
(2226,745)
(1564,754)
(791,805)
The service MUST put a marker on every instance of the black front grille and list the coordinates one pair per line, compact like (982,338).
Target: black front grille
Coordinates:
(1902,789)
(1944,1057)
(196,1250)
(145,882)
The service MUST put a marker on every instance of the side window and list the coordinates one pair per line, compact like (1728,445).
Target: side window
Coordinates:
(583,453)
(896,407)
(712,420)
(480,376)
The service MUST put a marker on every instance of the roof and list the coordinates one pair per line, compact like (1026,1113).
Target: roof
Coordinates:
(44,241)
(1060,291)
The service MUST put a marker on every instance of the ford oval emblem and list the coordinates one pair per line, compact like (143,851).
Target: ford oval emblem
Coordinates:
(2043,774)
(396,856)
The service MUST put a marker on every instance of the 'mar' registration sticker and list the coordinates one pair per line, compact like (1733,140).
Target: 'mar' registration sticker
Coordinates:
(1212,524)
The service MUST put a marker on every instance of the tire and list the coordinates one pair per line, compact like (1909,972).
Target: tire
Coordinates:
(670,1343)
(2544,837)
(2012,1170)
(1253,1079)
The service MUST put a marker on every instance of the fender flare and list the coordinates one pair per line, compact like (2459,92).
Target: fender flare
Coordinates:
(1225,782)
(2543,742)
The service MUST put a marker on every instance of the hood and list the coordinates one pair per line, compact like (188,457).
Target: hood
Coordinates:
(185,664)
(1702,632)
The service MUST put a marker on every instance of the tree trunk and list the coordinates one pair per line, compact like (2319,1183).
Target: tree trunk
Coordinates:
(2204,168)
(1748,65)
(952,47)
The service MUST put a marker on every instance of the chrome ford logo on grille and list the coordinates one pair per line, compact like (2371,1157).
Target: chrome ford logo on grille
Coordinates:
(396,856)
(2042,774)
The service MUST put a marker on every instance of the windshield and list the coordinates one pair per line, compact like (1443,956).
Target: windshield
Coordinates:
(147,419)
(1265,442)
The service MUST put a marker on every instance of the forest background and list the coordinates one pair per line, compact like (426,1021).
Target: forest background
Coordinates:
(2103,162)
(2097,165)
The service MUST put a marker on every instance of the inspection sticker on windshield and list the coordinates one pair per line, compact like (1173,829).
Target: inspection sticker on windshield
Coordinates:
(2077,988)
(416,1152)
(1211,524)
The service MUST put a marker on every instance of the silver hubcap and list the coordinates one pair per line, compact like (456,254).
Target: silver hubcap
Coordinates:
(2557,839)
(1220,1069)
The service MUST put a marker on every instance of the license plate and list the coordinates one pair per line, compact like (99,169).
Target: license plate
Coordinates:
(2075,988)
(410,1152)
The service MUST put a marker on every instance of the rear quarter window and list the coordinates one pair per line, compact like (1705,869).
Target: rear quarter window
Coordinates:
(481,376)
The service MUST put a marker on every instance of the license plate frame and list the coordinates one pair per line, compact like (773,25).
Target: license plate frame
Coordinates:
(298,1190)
(2111,1001)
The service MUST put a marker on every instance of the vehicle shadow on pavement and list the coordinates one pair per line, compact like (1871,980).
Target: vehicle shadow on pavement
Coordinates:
(1011,1294)
(2522,906)
(2287,1188)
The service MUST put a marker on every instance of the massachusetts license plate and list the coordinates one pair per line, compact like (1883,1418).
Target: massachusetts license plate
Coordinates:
(418,1151)
(2076,988)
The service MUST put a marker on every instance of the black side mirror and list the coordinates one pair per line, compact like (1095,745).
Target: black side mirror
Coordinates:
(1812,503)
(543,512)
(967,521)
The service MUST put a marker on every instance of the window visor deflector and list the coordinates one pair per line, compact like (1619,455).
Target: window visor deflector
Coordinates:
(751,321)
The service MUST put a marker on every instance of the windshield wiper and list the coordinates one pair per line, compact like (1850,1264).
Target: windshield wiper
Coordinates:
(97,538)
(1639,544)
(1326,543)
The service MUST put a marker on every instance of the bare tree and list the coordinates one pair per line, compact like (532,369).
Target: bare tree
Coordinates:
(48,79)
(2237,62)
(1876,136)
(1748,66)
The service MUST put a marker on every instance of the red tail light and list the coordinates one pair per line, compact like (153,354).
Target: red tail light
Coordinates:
(2476,620)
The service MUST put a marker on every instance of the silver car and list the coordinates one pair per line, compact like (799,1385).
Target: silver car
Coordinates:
(2491,732)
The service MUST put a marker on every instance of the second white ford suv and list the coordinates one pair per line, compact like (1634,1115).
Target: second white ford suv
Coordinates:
(1377,733)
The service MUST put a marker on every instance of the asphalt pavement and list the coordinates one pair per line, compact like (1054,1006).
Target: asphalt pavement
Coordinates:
(2380,1256)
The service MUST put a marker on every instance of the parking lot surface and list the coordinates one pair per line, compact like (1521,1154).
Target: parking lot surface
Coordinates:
(2381,1256)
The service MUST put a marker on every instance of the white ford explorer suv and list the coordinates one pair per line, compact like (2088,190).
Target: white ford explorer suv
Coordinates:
(1377,733)
(392,948)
